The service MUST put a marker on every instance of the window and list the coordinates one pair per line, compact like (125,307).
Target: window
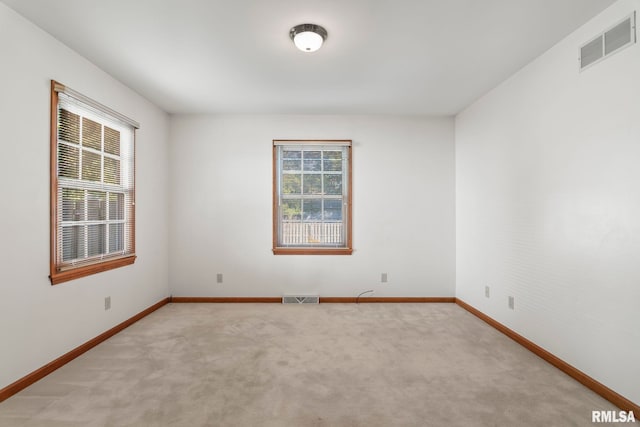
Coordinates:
(312,197)
(92,186)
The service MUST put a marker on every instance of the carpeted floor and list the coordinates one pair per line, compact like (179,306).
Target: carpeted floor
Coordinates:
(306,365)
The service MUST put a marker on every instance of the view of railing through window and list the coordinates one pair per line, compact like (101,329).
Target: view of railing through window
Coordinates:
(301,233)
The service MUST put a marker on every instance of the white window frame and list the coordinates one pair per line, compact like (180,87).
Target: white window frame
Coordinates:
(312,236)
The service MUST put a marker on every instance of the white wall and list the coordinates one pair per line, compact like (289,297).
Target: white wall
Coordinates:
(548,206)
(40,322)
(221,195)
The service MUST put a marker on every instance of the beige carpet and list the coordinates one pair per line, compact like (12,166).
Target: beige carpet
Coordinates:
(306,365)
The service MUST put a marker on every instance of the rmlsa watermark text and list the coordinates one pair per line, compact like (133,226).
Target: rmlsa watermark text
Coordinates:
(612,417)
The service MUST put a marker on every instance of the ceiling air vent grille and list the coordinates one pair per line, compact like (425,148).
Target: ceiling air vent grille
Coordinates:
(619,36)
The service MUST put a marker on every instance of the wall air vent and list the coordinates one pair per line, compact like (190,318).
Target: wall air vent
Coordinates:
(300,299)
(614,39)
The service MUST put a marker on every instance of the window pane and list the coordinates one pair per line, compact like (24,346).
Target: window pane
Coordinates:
(312,183)
(313,160)
(96,206)
(333,160)
(68,161)
(312,209)
(90,166)
(288,154)
(116,206)
(111,141)
(69,127)
(73,242)
(333,210)
(72,204)
(96,240)
(291,184)
(111,171)
(116,237)
(291,165)
(332,184)
(292,160)
(91,134)
(291,210)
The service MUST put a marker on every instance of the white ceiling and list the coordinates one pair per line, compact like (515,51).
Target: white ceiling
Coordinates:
(381,57)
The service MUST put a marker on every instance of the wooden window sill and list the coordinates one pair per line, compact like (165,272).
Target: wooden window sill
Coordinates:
(312,251)
(87,270)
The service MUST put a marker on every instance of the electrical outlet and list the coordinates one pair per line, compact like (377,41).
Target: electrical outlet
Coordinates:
(487,291)
(219,278)
(383,278)
(511,303)
(107,303)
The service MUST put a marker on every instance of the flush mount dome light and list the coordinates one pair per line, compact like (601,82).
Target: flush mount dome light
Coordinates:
(308,37)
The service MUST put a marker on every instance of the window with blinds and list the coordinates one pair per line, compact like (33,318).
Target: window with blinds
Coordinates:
(93,187)
(312,197)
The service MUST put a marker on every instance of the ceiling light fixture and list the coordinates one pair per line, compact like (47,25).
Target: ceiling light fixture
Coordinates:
(308,37)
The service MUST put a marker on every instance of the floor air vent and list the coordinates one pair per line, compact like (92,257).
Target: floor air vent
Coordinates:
(300,299)
(612,40)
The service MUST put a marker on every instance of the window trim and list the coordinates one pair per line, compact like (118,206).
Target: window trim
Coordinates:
(348,249)
(58,275)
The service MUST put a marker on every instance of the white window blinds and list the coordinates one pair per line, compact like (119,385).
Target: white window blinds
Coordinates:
(95,185)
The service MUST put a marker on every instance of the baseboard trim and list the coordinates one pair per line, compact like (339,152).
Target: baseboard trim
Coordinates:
(322,299)
(366,299)
(226,299)
(584,379)
(42,372)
